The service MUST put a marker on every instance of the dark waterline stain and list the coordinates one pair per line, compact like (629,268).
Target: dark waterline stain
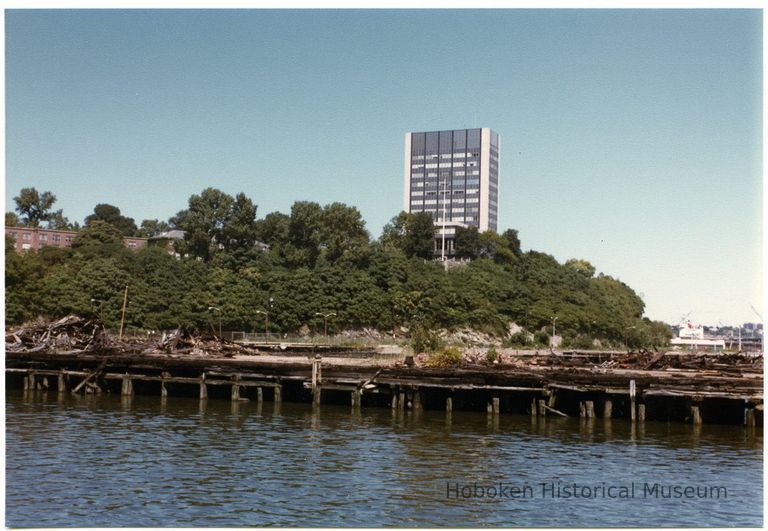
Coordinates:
(141,461)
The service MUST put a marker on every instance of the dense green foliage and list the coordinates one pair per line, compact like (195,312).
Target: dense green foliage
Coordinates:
(321,259)
(111,214)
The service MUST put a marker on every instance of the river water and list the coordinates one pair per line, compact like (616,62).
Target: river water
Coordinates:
(110,461)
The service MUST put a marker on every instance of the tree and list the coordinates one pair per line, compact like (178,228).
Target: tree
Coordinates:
(411,233)
(513,241)
(343,230)
(111,214)
(151,227)
(57,221)
(273,229)
(239,229)
(33,206)
(466,242)
(217,221)
(98,235)
(581,266)
(11,219)
(304,234)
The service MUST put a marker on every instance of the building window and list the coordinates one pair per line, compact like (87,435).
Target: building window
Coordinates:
(56,238)
(26,236)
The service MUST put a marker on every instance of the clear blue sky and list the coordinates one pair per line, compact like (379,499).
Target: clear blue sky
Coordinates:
(632,139)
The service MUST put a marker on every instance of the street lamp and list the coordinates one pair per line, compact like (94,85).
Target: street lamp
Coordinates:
(554,319)
(101,308)
(266,324)
(325,322)
(215,309)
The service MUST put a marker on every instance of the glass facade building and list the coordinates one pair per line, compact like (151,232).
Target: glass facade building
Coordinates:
(453,175)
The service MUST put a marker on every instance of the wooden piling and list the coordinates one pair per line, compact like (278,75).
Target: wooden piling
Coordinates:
(278,394)
(582,409)
(401,401)
(589,407)
(203,388)
(449,404)
(607,408)
(259,395)
(749,416)
(317,379)
(534,408)
(632,396)
(127,389)
(394,400)
(417,406)
(236,388)
(496,405)
(356,400)
(163,390)
(62,383)
(641,412)
(542,408)
(696,414)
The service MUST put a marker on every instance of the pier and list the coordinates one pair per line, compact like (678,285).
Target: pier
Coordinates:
(590,391)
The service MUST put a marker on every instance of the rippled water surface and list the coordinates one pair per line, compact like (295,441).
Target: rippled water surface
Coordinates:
(112,461)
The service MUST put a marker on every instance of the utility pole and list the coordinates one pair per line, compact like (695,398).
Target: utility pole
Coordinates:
(554,319)
(122,317)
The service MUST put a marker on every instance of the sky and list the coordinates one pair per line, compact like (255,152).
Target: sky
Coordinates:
(629,138)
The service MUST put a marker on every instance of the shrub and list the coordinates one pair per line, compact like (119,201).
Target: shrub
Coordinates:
(491,356)
(520,339)
(425,340)
(446,357)
(541,338)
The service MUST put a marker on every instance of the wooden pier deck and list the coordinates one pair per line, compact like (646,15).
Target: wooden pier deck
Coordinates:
(685,395)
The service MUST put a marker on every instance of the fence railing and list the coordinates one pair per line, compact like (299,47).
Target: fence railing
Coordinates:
(256,337)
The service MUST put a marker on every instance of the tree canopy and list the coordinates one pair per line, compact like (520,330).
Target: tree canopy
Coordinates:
(321,259)
(34,207)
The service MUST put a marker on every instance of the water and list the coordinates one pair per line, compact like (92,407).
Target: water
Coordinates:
(112,461)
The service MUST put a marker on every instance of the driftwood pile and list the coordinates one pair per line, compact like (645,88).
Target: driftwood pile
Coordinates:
(67,334)
(74,334)
(645,360)
(186,341)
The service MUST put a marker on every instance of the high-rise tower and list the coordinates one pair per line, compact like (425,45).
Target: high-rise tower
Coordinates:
(454,175)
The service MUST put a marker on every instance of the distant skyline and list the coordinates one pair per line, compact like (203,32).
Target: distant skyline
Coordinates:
(630,138)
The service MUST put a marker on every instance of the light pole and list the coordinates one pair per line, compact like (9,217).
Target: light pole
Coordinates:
(445,187)
(554,319)
(325,323)
(215,309)
(266,325)
(101,308)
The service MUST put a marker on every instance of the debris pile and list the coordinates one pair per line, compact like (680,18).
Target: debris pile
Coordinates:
(645,360)
(70,333)
(187,341)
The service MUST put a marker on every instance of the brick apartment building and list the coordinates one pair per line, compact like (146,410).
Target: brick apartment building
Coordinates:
(36,238)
